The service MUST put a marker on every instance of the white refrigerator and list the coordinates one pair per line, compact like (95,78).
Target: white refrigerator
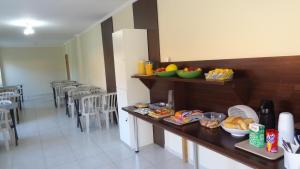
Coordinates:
(130,46)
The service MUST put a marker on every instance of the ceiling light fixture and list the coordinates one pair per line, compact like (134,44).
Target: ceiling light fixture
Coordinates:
(28,29)
(24,22)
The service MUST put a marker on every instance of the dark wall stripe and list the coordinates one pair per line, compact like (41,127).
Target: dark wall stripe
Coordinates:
(107,30)
(146,17)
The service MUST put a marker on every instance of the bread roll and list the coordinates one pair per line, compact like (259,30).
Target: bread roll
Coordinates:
(230,125)
(230,119)
(242,124)
(248,120)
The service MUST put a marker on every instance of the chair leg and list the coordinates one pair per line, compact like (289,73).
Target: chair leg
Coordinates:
(4,134)
(107,119)
(111,116)
(71,111)
(117,116)
(15,114)
(87,124)
(58,101)
(98,120)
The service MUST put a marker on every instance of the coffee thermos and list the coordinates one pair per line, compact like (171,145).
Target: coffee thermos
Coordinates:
(266,114)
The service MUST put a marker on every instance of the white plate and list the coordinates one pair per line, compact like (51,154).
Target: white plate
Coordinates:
(235,132)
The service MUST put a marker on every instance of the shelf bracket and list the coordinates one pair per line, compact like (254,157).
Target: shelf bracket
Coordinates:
(148,83)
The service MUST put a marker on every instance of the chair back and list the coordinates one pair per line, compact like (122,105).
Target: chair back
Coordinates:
(8,96)
(91,104)
(110,101)
(9,89)
(97,90)
(60,90)
(67,88)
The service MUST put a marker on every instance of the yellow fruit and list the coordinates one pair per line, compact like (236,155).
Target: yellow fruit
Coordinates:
(171,67)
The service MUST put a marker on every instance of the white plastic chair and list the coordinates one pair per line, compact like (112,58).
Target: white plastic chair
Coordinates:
(90,107)
(97,90)
(60,93)
(72,94)
(5,127)
(109,102)
(10,96)
(66,90)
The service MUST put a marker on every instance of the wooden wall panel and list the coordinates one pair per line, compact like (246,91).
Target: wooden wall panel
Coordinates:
(107,30)
(146,17)
(275,78)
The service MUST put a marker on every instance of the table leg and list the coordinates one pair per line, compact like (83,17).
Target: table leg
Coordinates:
(67,106)
(195,153)
(184,147)
(20,102)
(54,96)
(14,125)
(76,102)
(22,93)
(18,118)
(136,136)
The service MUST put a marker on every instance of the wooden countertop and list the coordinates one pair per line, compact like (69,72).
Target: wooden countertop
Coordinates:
(214,139)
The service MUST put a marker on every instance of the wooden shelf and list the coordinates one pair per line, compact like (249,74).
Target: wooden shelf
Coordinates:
(177,79)
(239,85)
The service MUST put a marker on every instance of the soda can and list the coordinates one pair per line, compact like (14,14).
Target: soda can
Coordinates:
(272,140)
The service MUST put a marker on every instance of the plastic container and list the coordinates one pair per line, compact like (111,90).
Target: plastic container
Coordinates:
(291,160)
(149,68)
(166,73)
(141,67)
(188,74)
(212,119)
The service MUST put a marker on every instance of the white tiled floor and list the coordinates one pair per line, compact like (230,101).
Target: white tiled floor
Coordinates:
(51,140)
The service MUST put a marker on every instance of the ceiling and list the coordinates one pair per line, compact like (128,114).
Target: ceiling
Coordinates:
(63,19)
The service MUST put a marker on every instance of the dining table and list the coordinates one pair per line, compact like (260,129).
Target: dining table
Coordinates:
(11,107)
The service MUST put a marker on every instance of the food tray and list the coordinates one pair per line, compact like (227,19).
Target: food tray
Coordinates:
(157,116)
(143,111)
(244,145)
(157,105)
(170,120)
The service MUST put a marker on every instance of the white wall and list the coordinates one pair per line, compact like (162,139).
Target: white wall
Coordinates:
(218,29)
(123,19)
(70,49)
(86,56)
(92,57)
(34,67)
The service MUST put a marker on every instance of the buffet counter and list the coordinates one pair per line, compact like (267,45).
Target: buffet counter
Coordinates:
(216,140)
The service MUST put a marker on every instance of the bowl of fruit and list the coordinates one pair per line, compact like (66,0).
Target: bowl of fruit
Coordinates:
(169,71)
(189,72)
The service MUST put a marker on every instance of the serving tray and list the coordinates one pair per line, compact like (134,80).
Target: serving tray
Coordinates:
(170,120)
(244,145)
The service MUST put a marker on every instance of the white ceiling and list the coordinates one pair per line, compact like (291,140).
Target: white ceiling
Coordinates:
(64,19)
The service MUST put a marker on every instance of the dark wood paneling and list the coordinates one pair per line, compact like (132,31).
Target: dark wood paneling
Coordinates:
(146,17)
(107,30)
(275,78)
